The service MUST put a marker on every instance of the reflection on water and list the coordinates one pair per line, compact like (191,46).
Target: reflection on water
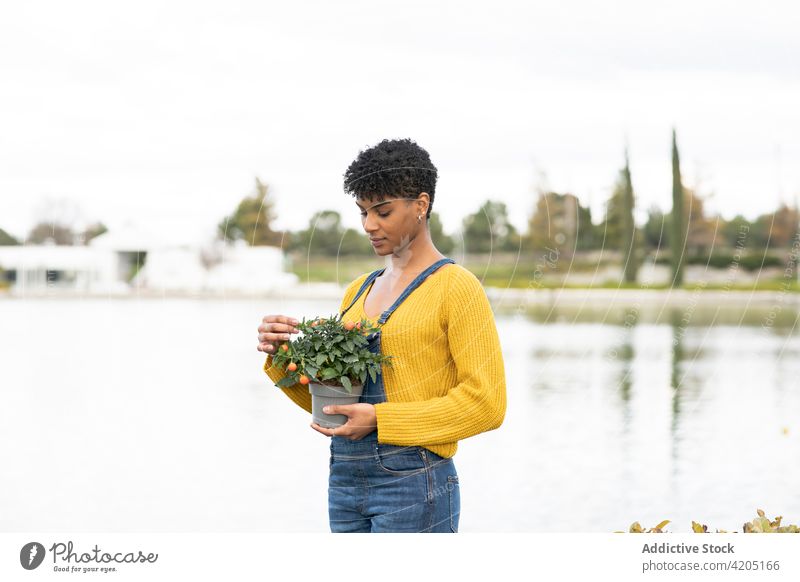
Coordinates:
(780,318)
(155,415)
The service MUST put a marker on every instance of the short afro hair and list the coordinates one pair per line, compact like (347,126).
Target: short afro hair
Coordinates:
(397,167)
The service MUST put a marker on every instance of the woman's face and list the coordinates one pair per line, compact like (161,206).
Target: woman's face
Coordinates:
(390,222)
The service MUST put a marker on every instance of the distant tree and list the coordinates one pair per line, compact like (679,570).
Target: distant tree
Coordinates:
(442,241)
(585,227)
(92,231)
(760,231)
(325,236)
(6,239)
(657,229)
(736,232)
(59,234)
(610,230)
(703,233)
(701,230)
(631,260)
(618,230)
(678,234)
(776,230)
(558,221)
(55,221)
(356,242)
(489,229)
(252,220)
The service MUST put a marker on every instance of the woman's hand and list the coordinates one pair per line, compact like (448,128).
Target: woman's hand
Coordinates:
(361,420)
(273,330)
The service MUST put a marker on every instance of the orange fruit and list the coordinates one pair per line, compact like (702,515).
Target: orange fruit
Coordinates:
(304,379)
(358,325)
(291,367)
(349,325)
(285,347)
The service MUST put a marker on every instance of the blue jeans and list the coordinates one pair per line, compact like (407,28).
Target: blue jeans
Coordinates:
(386,488)
(376,487)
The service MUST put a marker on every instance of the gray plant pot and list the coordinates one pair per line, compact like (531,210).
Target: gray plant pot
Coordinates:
(323,395)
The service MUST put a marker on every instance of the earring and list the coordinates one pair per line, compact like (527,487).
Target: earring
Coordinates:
(419,218)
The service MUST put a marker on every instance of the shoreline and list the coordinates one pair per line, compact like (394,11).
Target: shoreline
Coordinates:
(643,296)
(496,295)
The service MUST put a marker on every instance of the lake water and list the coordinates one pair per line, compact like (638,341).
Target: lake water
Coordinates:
(155,415)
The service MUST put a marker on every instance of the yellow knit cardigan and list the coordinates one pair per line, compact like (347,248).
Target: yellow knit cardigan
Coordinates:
(447,381)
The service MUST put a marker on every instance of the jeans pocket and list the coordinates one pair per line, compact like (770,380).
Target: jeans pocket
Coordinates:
(454,495)
(397,460)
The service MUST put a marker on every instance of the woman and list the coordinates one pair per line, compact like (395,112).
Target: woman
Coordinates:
(391,463)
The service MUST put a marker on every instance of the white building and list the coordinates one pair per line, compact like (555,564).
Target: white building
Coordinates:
(131,259)
(222,268)
(250,269)
(35,269)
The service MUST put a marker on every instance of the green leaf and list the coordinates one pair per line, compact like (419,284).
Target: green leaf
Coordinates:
(286,381)
(372,373)
(350,345)
(320,359)
(345,381)
(328,373)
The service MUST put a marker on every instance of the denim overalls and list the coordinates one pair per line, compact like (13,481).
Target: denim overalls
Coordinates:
(387,488)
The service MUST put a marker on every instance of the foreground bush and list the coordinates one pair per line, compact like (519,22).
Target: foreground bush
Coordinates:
(760,524)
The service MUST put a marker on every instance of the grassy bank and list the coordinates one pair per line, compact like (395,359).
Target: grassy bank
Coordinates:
(513,272)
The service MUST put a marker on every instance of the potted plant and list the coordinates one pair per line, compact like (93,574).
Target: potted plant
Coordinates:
(331,357)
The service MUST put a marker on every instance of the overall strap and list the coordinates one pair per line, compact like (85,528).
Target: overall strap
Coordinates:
(370,278)
(414,284)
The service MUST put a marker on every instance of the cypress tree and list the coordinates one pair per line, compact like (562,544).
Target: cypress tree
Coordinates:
(678,238)
(629,226)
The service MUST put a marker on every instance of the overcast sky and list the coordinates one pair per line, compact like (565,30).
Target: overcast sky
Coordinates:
(164,112)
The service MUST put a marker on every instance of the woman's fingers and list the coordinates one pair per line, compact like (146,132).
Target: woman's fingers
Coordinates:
(275,329)
(273,337)
(281,322)
(272,327)
(325,431)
